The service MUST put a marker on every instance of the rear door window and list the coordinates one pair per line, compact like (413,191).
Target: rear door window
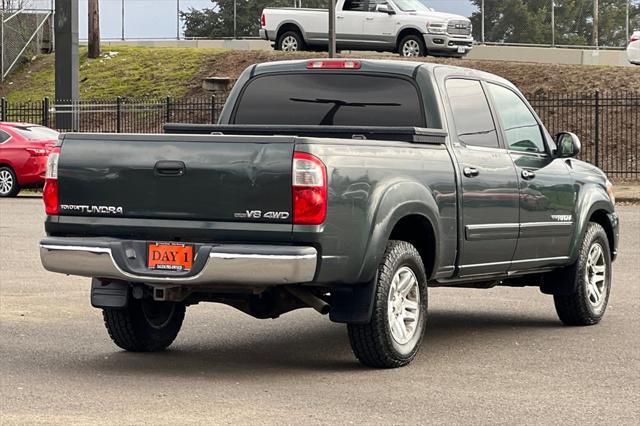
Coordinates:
(329,99)
(471,113)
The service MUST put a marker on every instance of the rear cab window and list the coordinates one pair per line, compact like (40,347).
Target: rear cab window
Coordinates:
(329,99)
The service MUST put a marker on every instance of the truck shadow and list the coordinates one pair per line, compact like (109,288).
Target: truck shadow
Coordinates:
(316,346)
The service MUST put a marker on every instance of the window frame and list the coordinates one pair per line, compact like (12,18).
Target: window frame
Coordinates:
(492,111)
(541,128)
(365,7)
(421,105)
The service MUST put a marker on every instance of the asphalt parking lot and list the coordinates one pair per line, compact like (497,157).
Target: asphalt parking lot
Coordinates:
(490,356)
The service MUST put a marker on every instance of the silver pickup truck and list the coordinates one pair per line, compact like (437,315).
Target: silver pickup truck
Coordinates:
(407,27)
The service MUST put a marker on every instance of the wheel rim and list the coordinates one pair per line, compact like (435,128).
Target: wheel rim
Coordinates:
(6,182)
(596,277)
(289,44)
(157,314)
(411,48)
(403,305)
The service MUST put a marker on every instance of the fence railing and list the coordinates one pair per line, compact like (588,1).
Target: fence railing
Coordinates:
(607,123)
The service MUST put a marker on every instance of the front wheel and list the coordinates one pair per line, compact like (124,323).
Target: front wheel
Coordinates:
(144,325)
(412,46)
(592,277)
(393,336)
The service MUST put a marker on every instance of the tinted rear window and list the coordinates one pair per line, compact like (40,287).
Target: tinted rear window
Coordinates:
(37,133)
(330,99)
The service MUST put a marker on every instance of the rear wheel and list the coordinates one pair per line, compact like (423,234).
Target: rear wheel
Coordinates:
(412,46)
(290,41)
(8,182)
(592,276)
(393,336)
(144,325)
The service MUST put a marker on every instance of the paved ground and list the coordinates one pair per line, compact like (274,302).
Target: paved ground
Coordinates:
(491,356)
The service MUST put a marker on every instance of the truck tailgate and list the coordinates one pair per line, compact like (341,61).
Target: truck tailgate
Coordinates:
(186,177)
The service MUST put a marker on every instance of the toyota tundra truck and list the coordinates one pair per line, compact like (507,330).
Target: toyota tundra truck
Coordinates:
(407,27)
(346,186)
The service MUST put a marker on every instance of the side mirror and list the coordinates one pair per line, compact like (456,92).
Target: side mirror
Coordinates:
(385,8)
(569,145)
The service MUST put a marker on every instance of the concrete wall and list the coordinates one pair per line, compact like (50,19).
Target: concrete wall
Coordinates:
(543,55)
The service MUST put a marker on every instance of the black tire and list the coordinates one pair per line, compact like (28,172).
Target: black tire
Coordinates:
(579,308)
(412,46)
(374,344)
(290,41)
(144,325)
(9,186)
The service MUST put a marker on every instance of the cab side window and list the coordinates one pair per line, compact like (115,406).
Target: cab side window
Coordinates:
(355,5)
(521,129)
(471,113)
(373,4)
(4,136)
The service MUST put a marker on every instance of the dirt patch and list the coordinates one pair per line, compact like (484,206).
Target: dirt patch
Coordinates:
(529,77)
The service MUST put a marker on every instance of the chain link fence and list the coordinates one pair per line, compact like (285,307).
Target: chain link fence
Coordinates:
(25,31)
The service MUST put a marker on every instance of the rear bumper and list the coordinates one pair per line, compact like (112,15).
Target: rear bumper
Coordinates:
(267,35)
(232,265)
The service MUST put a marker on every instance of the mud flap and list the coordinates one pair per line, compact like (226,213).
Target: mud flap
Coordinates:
(354,304)
(105,294)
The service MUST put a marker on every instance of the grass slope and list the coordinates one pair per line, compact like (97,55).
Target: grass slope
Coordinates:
(120,71)
(178,72)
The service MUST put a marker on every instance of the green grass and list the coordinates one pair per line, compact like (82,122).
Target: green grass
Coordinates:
(120,71)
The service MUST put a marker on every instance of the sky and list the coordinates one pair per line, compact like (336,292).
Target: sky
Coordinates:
(157,18)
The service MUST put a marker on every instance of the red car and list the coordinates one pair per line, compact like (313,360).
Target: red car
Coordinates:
(23,156)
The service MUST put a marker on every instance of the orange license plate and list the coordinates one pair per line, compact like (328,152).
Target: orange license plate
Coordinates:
(171,257)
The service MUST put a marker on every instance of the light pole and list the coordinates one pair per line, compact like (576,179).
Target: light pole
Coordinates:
(482,23)
(332,29)
(553,23)
(122,19)
(178,19)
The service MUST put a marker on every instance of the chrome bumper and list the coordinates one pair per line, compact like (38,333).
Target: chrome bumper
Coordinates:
(445,43)
(226,264)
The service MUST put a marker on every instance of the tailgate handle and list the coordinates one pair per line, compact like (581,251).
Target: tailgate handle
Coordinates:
(170,168)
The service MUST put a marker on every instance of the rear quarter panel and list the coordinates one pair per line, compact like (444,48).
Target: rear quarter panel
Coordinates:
(371,186)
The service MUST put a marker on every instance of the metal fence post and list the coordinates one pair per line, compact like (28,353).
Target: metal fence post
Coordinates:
(45,112)
(597,129)
(213,109)
(118,117)
(3,109)
(167,116)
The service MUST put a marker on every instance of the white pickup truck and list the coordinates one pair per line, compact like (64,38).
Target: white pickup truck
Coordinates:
(407,27)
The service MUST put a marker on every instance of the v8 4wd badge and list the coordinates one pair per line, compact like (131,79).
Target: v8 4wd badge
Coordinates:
(259,214)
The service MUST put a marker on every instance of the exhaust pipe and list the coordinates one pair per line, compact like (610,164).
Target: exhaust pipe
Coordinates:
(310,299)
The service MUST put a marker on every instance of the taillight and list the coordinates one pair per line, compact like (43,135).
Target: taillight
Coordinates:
(334,65)
(263,21)
(37,152)
(309,184)
(50,193)
(634,37)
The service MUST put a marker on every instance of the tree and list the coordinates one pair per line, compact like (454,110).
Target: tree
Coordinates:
(94,29)
(217,21)
(529,21)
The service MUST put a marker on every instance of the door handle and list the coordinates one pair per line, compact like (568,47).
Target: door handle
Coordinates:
(169,168)
(470,172)
(370,18)
(339,17)
(528,175)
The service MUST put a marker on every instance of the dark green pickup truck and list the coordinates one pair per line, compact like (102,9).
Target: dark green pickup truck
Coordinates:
(348,186)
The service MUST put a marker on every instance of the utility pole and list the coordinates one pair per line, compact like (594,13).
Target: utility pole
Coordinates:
(235,19)
(553,23)
(67,62)
(596,23)
(122,19)
(178,19)
(626,22)
(332,29)
(94,29)
(482,24)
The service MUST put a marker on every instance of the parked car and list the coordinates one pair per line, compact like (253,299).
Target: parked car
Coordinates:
(23,156)
(633,51)
(347,186)
(407,27)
